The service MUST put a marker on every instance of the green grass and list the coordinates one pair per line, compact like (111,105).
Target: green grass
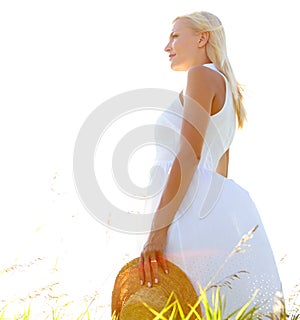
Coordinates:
(210,311)
(216,309)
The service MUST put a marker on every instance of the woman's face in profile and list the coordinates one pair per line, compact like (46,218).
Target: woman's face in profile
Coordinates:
(182,46)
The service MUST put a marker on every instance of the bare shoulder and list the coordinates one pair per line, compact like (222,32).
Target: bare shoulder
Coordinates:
(207,86)
(204,75)
(201,82)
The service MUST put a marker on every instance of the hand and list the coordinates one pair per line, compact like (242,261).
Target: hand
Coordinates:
(152,257)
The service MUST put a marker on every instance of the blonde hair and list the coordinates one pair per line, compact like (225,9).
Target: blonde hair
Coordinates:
(217,53)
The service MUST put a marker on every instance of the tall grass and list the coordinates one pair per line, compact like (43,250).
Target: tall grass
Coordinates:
(213,304)
(215,310)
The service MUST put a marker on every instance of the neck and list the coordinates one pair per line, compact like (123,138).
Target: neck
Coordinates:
(201,61)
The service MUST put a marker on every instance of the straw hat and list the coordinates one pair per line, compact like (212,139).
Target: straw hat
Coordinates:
(129,297)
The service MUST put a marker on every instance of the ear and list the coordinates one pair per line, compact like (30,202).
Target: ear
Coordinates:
(203,39)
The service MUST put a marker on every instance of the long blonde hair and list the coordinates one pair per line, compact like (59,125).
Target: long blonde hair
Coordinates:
(217,53)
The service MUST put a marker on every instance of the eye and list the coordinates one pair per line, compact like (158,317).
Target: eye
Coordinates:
(173,35)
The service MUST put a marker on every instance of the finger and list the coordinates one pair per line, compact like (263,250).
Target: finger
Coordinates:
(163,263)
(147,271)
(154,267)
(141,271)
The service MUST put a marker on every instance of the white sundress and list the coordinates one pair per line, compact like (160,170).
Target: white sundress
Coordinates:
(213,217)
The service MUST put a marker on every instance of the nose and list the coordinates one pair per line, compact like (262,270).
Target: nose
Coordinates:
(167,47)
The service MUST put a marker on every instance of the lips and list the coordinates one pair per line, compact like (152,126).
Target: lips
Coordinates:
(172,55)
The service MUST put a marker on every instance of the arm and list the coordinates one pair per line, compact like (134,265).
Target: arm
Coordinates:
(197,109)
(223,164)
(196,112)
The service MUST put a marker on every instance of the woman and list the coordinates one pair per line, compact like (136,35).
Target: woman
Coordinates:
(202,215)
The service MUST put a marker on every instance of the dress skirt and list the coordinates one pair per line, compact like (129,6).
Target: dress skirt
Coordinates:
(217,237)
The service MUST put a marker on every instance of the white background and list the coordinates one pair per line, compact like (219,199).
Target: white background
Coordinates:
(61,59)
